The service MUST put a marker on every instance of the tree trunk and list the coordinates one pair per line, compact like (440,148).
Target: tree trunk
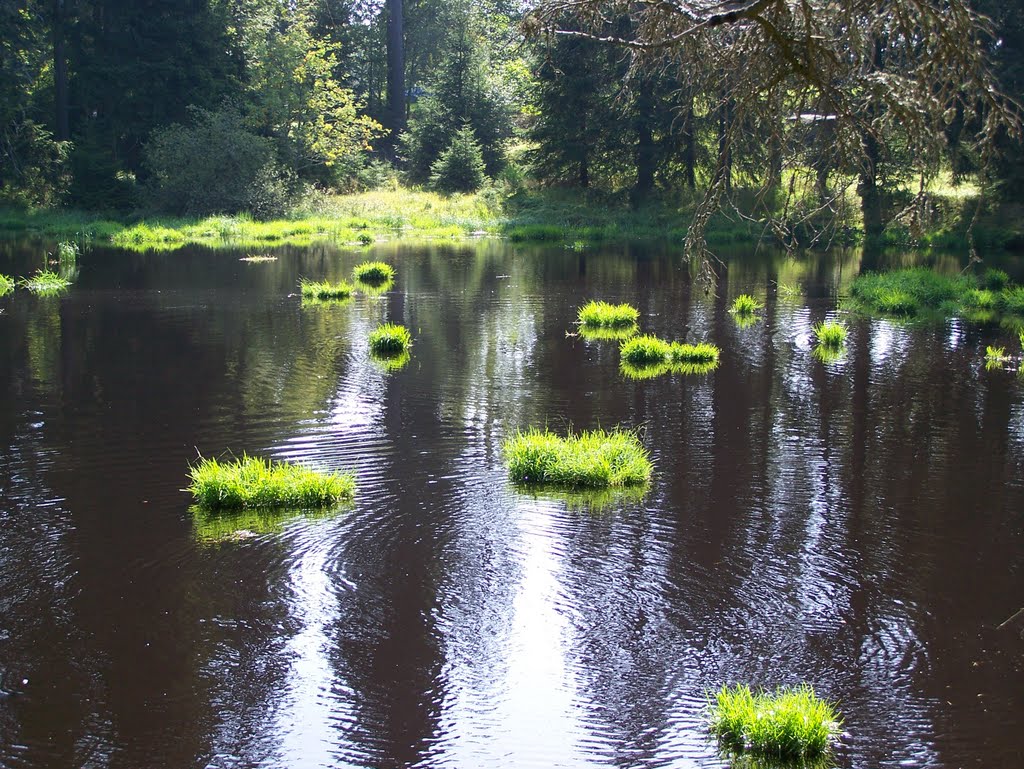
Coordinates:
(60,74)
(396,70)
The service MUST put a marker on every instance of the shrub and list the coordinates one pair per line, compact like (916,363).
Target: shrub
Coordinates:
(251,482)
(594,459)
(373,273)
(604,315)
(460,168)
(390,339)
(830,334)
(791,724)
(215,165)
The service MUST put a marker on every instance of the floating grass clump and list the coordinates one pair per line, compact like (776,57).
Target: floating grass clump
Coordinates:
(995,357)
(6,284)
(591,459)
(325,290)
(390,340)
(645,350)
(251,482)
(904,292)
(46,282)
(791,724)
(745,305)
(700,353)
(373,273)
(602,315)
(830,334)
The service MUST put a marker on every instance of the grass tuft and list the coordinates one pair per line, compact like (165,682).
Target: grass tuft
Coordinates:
(46,283)
(597,314)
(251,482)
(325,290)
(745,304)
(996,354)
(6,284)
(790,724)
(995,280)
(373,273)
(1012,300)
(830,334)
(591,459)
(645,350)
(390,340)
(700,353)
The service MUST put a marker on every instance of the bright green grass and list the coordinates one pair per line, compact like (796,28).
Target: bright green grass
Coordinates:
(6,284)
(46,283)
(700,353)
(645,350)
(995,280)
(589,459)
(907,292)
(745,304)
(251,482)
(790,724)
(390,340)
(373,273)
(830,334)
(598,314)
(1012,300)
(325,290)
(996,354)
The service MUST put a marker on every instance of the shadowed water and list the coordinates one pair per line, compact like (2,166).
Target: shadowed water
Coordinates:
(857,524)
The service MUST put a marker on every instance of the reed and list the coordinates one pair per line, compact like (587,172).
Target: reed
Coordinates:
(325,290)
(251,482)
(46,283)
(588,459)
(602,315)
(830,334)
(791,724)
(373,273)
(390,340)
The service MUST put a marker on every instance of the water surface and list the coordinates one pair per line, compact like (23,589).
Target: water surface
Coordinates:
(857,525)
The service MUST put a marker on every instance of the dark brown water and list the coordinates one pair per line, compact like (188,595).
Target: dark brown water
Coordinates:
(857,525)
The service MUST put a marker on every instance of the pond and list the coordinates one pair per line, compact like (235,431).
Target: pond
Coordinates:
(856,524)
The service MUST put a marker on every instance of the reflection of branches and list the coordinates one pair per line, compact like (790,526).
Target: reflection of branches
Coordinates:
(836,87)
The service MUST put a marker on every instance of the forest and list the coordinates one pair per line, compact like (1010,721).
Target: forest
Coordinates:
(887,123)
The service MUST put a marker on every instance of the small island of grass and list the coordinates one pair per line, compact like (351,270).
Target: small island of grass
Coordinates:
(251,482)
(830,334)
(592,459)
(791,724)
(390,340)
(6,284)
(324,290)
(745,304)
(373,273)
(602,315)
(46,283)
(646,356)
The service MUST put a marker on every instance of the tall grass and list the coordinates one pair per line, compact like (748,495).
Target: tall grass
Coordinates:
(325,290)
(6,284)
(588,459)
(790,724)
(46,283)
(390,340)
(599,314)
(251,482)
(830,334)
(373,273)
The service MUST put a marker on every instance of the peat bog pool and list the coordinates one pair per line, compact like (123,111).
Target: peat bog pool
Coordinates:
(856,524)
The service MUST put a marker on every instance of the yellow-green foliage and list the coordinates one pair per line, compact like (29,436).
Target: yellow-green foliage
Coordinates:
(46,283)
(745,304)
(830,334)
(646,357)
(251,482)
(390,340)
(702,353)
(790,724)
(996,354)
(598,314)
(589,459)
(645,350)
(325,290)
(373,273)
(6,284)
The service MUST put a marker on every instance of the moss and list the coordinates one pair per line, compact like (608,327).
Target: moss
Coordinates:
(589,459)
